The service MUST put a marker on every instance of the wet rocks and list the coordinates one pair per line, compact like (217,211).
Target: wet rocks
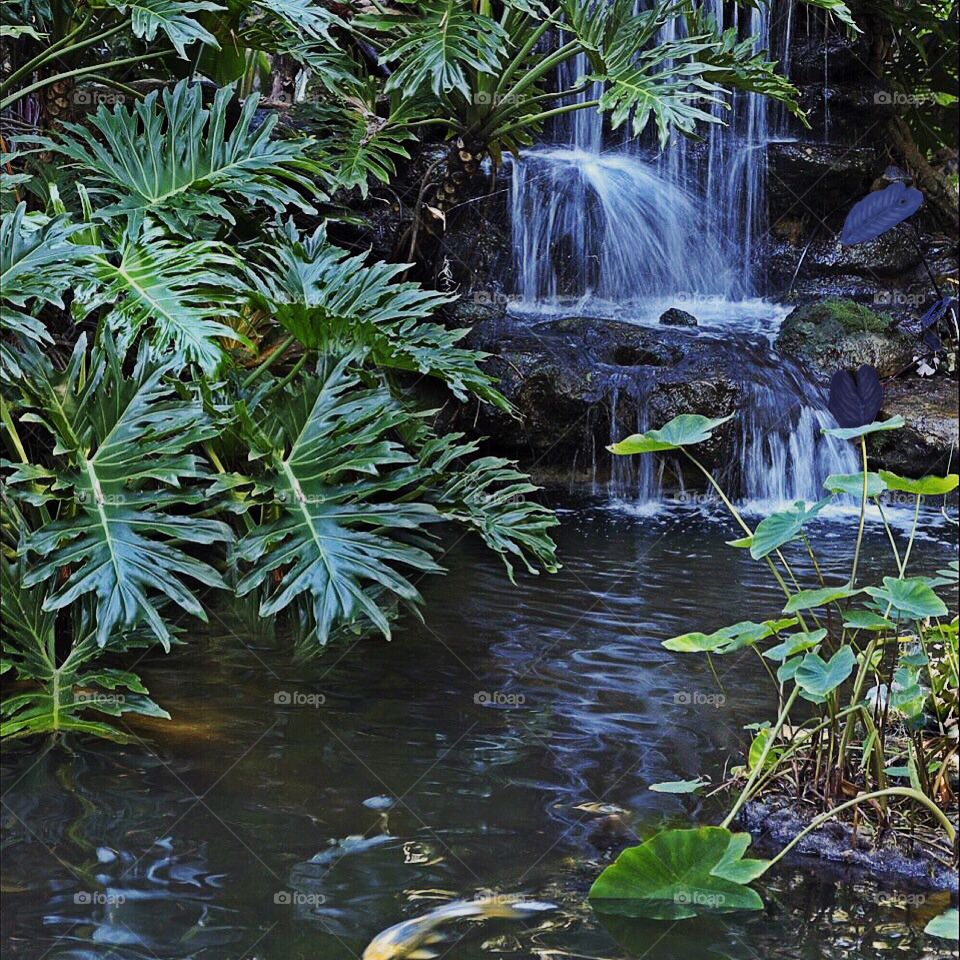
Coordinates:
(841,334)
(677,318)
(928,443)
(815,179)
(571,379)
(773,824)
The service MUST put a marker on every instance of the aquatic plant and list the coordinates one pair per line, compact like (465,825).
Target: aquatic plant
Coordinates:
(866,678)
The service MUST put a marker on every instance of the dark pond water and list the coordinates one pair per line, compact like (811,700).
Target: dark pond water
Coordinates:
(240,830)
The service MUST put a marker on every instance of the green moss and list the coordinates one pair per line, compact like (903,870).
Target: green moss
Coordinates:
(848,314)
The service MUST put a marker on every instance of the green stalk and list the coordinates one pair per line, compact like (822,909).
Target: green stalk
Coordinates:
(265,365)
(79,72)
(913,534)
(863,515)
(746,529)
(523,52)
(890,537)
(755,773)
(44,55)
(546,115)
(863,798)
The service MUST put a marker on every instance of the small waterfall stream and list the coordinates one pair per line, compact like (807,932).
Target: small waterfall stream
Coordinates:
(605,223)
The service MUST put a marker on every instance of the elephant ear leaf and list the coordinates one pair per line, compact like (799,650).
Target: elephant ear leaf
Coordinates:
(855,398)
(879,212)
(678,874)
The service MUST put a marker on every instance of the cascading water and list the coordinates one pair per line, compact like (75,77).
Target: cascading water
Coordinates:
(602,227)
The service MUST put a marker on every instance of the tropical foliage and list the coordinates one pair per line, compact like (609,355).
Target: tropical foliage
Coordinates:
(202,393)
(865,675)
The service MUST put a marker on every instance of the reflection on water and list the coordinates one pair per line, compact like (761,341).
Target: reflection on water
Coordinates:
(291,812)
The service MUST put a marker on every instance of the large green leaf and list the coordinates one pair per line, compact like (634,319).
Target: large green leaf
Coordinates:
(911,598)
(682,431)
(853,433)
(173,158)
(817,677)
(327,459)
(177,295)
(852,484)
(924,487)
(120,458)
(437,45)
(171,17)
(806,599)
(39,259)
(727,639)
(678,874)
(796,643)
(339,304)
(779,528)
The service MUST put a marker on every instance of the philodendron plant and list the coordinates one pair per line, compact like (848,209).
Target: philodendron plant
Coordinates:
(872,665)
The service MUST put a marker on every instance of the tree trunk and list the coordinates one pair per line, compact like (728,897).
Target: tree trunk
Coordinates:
(940,196)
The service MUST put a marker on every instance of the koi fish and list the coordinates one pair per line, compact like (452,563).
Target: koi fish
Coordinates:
(411,939)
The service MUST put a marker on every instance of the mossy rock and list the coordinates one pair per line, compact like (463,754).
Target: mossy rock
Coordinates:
(838,334)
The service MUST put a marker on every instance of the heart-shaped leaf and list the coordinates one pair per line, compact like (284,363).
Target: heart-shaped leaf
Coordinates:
(678,874)
(727,639)
(879,212)
(911,598)
(782,526)
(946,926)
(817,677)
(866,620)
(794,644)
(852,433)
(678,786)
(806,599)
(855,398)
(924,487)
(682,431)
(852,484)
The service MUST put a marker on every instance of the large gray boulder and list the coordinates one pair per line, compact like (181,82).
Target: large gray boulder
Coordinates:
(840,334)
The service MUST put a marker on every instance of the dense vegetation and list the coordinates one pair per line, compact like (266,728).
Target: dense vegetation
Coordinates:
(205,396)
(201,392)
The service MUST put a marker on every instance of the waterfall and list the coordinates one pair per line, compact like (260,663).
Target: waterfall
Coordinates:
(604,223)
(611,218)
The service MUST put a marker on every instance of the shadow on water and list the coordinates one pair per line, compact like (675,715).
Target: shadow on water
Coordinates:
(294,811)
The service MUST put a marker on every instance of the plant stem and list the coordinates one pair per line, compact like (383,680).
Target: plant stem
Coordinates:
(265,365)
(774,733)
(863,515)
(79,72)
(913,534)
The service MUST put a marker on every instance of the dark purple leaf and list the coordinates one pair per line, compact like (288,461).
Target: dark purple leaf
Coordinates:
(932,342)
(937,312)
(856,398)
(879,212)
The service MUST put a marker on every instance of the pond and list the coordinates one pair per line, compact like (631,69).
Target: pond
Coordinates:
(292,811)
